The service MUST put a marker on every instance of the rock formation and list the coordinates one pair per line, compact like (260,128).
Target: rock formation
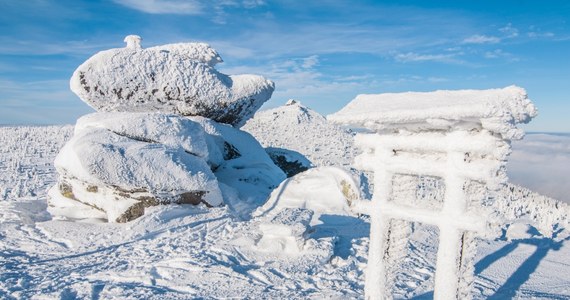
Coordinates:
(157,138)
(176,78)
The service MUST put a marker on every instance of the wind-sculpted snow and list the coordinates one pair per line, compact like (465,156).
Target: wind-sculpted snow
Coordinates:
(178,78)
(323,190)
(246,172)
(496,110)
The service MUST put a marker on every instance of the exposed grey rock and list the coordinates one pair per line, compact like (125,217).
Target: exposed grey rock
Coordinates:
(289,161)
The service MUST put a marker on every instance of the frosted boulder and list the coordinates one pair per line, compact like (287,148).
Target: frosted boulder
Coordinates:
(120,163)
(176,78)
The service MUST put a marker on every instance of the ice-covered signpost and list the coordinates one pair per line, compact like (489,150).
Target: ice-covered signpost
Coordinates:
(461,138)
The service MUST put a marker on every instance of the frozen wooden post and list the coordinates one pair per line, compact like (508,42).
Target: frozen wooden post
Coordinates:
(460,137)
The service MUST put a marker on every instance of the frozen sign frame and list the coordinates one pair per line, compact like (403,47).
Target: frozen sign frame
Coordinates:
(461,137)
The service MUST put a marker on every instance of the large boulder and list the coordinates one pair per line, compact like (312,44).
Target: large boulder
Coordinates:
(121,163)
(176,78)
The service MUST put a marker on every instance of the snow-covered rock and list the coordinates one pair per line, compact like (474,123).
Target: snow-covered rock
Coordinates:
(240,163)
(176,78)
(323,190)
(121,163)
(299,128)
(496,110)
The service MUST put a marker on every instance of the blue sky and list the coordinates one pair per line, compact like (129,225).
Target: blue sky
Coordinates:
(322,53)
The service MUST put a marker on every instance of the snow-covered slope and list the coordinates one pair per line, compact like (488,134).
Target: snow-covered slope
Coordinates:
(299,128)
(182,252)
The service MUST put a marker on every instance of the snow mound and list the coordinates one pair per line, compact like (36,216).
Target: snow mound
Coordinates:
(298,128)
(323,190)
(285,232)
(496,110)
(177,78)
(122,172)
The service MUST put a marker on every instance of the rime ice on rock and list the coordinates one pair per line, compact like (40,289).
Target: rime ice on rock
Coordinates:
(133,41)
(176,78)
(117,164)
(121,163)
(460,137)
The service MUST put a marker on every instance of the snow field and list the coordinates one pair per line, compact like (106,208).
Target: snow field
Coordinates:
(181,252)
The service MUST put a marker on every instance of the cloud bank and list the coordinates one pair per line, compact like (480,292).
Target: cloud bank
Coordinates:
(541,162)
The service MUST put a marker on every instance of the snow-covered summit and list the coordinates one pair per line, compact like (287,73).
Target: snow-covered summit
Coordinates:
(299,128)
(496,110)
(176,78)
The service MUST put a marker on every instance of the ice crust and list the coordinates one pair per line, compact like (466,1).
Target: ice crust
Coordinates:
(495,110)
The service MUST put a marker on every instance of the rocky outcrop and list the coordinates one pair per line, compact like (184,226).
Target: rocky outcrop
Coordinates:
(176,78)
(121,163)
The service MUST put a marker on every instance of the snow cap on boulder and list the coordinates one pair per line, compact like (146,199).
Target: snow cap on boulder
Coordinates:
(496,110)
(120,163)
(175,78)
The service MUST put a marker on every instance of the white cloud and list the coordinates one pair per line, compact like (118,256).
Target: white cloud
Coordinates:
(509,31)
(179,7)
(533,34)
(190,7)
(415,57)
(499,53)
(540,162)
(481,39)
(310,62)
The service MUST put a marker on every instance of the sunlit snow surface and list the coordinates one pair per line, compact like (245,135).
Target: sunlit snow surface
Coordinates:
(193,252)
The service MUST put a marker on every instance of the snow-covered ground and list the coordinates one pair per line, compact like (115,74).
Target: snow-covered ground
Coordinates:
(182,251)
